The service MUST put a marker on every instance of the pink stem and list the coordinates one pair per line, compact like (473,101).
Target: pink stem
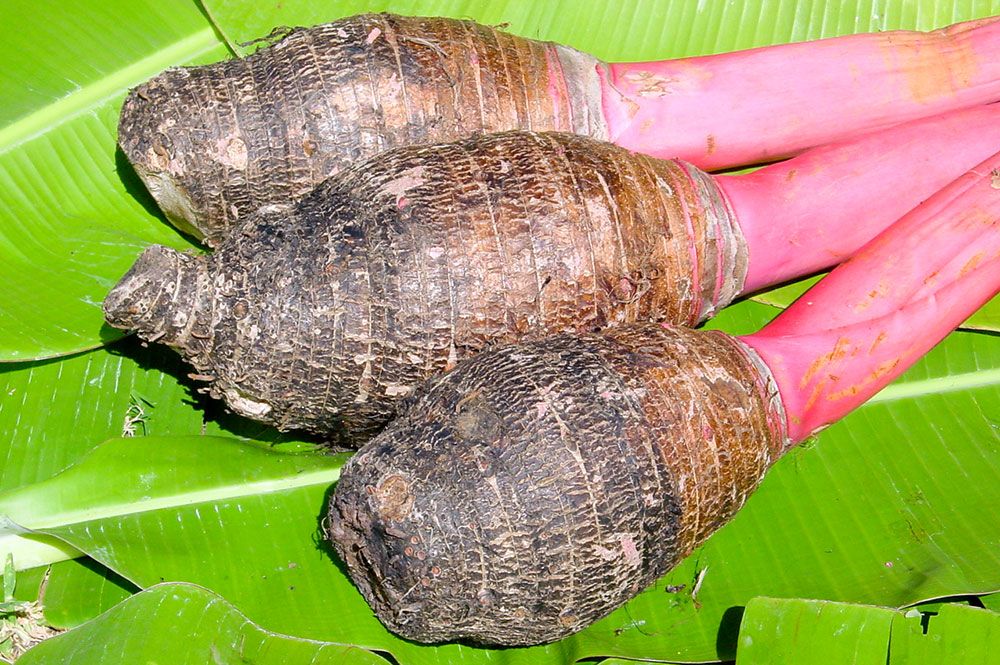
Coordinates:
(758,105)
(874,315)
(818,209)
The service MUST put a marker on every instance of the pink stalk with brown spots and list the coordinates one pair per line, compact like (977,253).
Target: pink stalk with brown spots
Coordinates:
(873,316)
(814,211)
(757,105)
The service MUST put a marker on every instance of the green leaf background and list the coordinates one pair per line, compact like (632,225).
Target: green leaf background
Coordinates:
(788,631)
(218,518)
(142,630)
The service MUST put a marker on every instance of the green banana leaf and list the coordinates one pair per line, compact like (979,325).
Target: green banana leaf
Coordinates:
(991,601)
(816,632)
(73,215)
(955,634)
(71,592)
(54,412)
(193,627)
(76,591)
(907,481)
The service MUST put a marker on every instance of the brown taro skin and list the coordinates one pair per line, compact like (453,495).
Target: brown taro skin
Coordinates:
(213,143)
(327,313)
(537,487)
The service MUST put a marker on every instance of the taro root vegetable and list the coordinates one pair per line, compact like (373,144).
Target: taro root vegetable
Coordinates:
(214,143)
(537,487)
(328,312)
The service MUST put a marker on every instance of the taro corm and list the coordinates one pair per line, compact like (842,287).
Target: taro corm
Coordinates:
(537,487)
(330,311)
(215,143)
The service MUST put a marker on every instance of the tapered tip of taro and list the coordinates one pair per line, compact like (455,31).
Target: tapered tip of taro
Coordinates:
(149,137)
(143,298)
(138,114)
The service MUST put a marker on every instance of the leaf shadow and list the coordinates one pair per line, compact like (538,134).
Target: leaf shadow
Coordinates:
(135,187)
(729,629)
(320,538)
(110,335)
(111,576)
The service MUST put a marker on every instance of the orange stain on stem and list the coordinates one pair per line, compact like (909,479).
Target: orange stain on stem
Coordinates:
(878,340)
(879,291)
(977,216)
(838,353)
(952,64)
(822,366)
(816,391)
(971,264)
(874,376)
